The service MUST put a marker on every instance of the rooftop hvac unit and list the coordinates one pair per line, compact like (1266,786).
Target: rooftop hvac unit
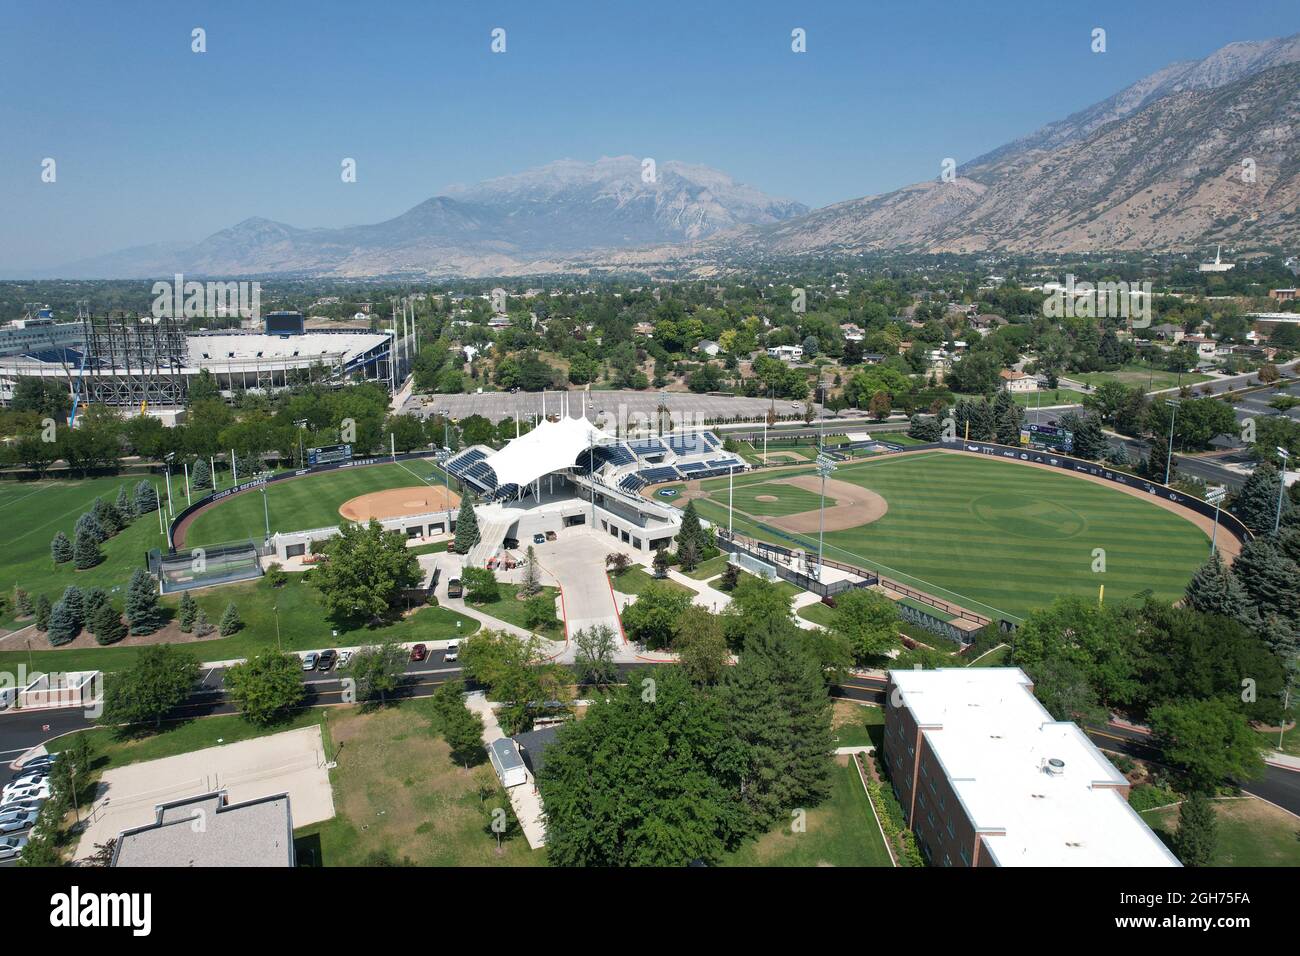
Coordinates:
(1053,766)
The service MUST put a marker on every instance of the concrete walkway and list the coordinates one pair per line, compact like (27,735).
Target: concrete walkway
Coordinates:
(525,799)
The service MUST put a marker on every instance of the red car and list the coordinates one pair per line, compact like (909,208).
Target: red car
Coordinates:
(419,652)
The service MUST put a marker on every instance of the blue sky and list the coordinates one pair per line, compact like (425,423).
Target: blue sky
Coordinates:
(154,142)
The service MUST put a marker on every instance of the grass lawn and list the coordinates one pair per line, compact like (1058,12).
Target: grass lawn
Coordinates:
(511,610)
(788,499)
(998,537)
(818,613)
(635,580)
(840,832)
(1152,380)
(708,569)
(994,658)
(1290,741)
(35,511)
(302,503)
(435,548)
(856,725)
(302,626)
(1250,833)
(398,794)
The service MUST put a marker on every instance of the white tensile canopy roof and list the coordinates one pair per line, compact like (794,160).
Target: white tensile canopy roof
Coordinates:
(551,446)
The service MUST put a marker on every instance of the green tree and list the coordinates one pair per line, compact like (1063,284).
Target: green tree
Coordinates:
(757,607)
(593,661)
(63,626)
(1197,833)
(377,670)
(1214,590)
(201,475)
(643,779)
(146,499)
(230,622)
(780,716)
(86,553)
(463,731)
(365,569)
(1257,502)
(60,548)
(43,612)
(159,680)
(481,586)
(701,646)
(653,618)
(106,624)
(1207,742)
(187,613)
(532,575)
(691,532)
(868,621)
(467,533)
(539,612)
(144,614)
(124,506)
(267,686)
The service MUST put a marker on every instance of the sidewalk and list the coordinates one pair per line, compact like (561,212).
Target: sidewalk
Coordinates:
(525,799)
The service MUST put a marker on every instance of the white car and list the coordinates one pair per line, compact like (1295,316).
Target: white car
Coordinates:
(12,821)
(451,653)
(26,780)
(36,791)
(344,658)
(10,847)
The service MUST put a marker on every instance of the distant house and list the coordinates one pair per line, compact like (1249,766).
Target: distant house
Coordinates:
(1169,332)
(984,321)
(644,328)
(1282,295)
(708,347)
(1015,382)
(1206,348)
(786,353)
(852,333)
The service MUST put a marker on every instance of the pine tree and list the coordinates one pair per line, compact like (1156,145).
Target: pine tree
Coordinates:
(1154,465)
(1256,502)
(23,602)
(691,530)
(95,599)
(86,553)
(146,499)
(230,622)
(124,507)
(201,475)
(61,548)
(143,613)
(781,721)
(467,533)
(202,628)
(107,625)
(1009,416)
(532,583)
(1118,456)
(1214,589)
(1197,831)
(88,522)
(107,517)
(62,627)
(42,613)
(1089,440)
(75,602)
(187,613)
(1269,577)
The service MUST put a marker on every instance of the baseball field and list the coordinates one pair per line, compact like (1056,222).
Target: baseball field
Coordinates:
(997,537)
(302,503)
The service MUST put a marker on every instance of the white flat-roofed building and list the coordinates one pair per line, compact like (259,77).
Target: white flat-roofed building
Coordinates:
(208,830)
(987,777)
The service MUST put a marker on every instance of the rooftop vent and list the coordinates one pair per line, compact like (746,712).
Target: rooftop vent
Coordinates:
(1053,766)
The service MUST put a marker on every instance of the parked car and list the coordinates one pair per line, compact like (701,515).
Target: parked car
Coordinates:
(36,791)
(454,588)
(13,821)
(345,658)
(539,538)
(309,661)
(452,653)
(326,660)
(11,846)
(44,762)
(26,780)
(419,652)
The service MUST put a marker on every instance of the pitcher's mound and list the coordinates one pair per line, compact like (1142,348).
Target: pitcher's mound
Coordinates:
(765,497)
(399,502)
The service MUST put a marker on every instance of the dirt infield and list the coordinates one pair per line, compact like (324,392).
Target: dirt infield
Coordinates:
(854,506)
(399,502)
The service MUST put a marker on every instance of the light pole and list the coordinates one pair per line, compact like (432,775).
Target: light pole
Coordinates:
(1284,455)
(1173,415)
(1215,498)
(731,470)
(276,609)
(825,468)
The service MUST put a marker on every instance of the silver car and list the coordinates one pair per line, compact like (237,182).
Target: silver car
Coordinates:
(14,821)
(11,846)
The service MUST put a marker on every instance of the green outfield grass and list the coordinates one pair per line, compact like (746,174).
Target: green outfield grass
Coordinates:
(1141,376)
(302,503)
(789,499)
(34,511)
(997,537)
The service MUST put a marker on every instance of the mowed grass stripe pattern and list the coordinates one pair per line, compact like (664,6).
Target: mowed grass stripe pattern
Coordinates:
(1012,537)
(789,499)
(303,503)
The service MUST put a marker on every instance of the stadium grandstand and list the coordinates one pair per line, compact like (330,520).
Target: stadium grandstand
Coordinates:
(570,472)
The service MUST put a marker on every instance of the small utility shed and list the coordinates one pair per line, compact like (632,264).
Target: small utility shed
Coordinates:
(507,763)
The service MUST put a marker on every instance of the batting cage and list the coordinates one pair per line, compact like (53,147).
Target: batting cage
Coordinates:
(203,567)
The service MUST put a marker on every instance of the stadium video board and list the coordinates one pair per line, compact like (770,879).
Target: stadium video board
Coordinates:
(1047,438)
(329,454)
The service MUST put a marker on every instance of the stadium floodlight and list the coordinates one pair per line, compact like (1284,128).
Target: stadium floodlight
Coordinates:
(1215,497)
(1284,456)
(1173,416)
(825,468)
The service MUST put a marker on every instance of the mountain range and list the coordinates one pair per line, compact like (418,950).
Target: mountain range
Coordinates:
(1197,153)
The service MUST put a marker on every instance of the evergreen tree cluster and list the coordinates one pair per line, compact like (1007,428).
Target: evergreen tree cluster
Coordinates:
(92,529)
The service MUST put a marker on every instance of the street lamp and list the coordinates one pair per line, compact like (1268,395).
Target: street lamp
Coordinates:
(825,468)
(1215,497)
(1173,415)
(1285,456)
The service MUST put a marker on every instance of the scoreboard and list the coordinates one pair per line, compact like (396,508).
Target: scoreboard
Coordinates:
(329,454)
(1047,438)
